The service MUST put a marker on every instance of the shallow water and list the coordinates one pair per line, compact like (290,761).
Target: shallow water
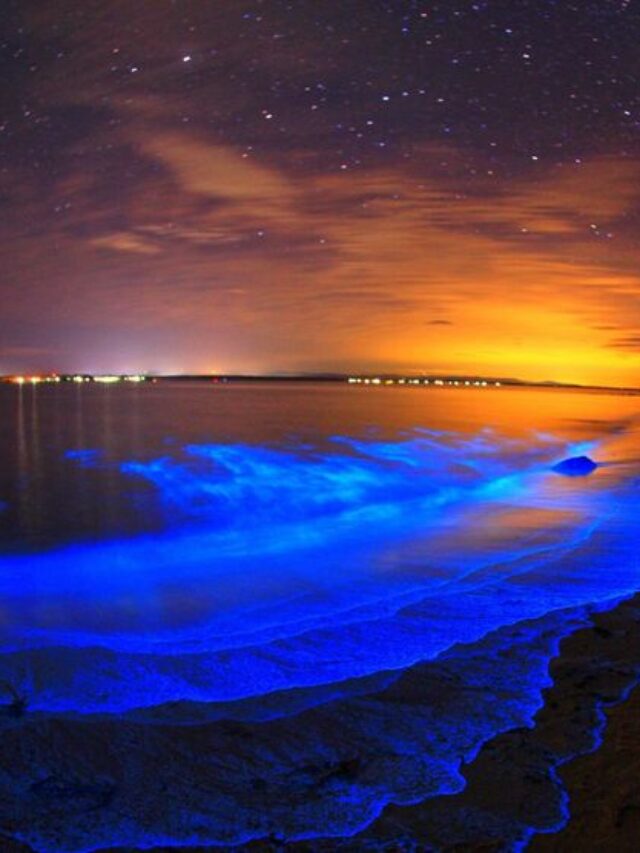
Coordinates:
(364,578)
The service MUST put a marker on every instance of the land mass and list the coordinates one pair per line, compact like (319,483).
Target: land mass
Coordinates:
(367,379)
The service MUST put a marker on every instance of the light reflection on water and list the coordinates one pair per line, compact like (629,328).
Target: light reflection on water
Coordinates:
(50,500)
(206,547)
(165,544)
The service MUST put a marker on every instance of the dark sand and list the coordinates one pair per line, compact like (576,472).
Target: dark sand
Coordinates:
(605,790)
(512,783)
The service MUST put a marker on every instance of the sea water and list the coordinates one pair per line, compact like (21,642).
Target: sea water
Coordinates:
(365,578)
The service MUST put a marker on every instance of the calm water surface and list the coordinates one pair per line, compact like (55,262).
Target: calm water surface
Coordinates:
(50,497)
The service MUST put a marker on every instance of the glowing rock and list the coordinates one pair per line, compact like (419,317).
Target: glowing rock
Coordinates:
(576,466)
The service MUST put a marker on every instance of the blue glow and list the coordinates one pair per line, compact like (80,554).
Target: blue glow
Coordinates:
(87,458)
(297,591)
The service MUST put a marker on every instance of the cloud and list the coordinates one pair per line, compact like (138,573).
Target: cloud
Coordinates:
(628,343)
(125,242)
(223,175)
(565,202)
(392,266)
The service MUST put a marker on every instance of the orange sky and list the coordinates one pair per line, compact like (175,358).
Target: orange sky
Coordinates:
(369,270)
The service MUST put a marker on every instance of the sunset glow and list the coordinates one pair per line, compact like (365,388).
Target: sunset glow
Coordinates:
(284,189)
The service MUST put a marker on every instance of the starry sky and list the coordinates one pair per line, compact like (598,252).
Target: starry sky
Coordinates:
(362,185)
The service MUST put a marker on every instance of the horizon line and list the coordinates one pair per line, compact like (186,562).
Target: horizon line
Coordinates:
(336,376)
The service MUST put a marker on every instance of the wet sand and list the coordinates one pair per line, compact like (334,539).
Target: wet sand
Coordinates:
(518,779)
(513,782)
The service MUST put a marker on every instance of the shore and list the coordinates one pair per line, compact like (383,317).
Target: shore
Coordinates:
(585,742)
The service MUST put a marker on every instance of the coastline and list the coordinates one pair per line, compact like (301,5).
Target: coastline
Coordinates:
(595,691)
(603,786)
(520,777)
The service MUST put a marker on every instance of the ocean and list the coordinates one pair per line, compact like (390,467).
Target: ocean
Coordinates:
(262,612)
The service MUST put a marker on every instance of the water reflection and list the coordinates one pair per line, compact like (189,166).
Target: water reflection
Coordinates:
(369,584)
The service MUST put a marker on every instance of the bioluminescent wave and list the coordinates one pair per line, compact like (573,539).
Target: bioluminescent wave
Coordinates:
(301,568)
(351,622)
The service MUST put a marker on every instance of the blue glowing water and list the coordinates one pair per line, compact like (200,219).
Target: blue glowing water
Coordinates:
(369,607)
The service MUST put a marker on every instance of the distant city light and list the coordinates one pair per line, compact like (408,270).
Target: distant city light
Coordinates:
(414,380)
(33,380)
(101,378)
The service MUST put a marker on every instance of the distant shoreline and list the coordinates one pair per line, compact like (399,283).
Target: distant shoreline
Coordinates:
(461,382)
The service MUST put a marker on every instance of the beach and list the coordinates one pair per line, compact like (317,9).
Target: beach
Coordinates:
(589,720)
(403,637)
(592,706)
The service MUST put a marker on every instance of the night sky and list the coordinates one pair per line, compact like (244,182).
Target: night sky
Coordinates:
(296,186)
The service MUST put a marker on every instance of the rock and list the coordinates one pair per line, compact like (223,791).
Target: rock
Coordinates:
(576,466)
